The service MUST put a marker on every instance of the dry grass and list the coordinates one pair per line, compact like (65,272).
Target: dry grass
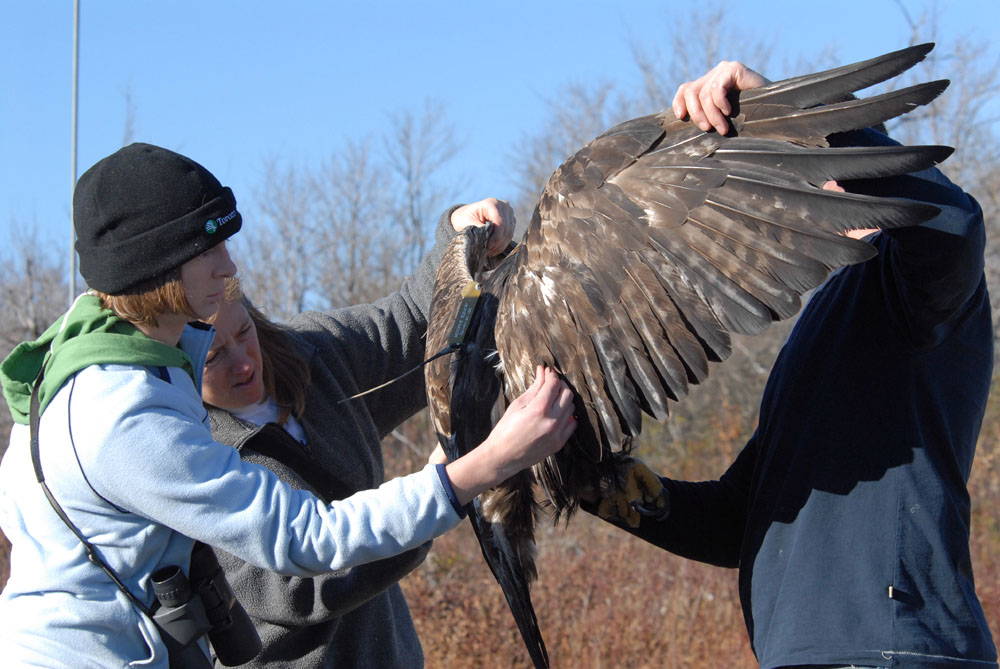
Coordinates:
(984,487)
(605,599)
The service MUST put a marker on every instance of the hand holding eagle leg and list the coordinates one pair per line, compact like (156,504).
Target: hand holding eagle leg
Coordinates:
(639,493)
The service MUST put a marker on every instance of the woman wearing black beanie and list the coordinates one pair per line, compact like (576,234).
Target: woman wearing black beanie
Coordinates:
(124,476)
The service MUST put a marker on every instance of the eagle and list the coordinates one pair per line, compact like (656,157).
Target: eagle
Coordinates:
(647,250)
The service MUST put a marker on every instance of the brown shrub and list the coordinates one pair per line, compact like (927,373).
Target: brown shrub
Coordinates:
(605,599)
(984,488)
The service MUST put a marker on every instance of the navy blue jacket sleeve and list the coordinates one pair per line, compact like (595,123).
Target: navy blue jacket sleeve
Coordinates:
(936,266)
(707,518)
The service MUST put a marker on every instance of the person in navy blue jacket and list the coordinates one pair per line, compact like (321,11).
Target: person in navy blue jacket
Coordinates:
(847,512)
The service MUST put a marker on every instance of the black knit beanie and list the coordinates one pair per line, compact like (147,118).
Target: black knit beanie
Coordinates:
(144,211)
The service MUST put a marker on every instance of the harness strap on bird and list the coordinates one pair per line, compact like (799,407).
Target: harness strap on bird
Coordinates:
(456,338)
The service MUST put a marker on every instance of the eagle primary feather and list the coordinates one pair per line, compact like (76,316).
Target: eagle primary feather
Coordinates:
(647,249)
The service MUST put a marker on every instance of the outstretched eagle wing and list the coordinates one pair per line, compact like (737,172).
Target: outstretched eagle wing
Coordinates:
(648,248)
(656,241)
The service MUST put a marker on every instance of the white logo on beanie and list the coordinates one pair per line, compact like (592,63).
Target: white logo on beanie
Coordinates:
(213,224)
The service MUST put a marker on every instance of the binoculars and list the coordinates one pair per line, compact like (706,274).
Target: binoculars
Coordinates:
(204,604)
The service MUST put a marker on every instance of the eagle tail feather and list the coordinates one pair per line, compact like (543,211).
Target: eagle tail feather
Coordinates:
(505,561)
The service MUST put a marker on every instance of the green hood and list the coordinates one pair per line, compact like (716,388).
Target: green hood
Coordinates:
(83,336)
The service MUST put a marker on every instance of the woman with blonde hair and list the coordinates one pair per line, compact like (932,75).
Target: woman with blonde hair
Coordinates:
(277,393)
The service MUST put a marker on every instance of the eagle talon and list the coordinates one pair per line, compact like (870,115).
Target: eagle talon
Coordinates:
(656,512)
(638,494)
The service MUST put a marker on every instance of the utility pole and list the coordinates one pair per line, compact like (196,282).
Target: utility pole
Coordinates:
(72,231)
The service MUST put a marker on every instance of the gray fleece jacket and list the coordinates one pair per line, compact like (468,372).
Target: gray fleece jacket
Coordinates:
(355,617)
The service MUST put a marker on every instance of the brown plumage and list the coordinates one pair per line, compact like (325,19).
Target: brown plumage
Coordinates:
(647,249)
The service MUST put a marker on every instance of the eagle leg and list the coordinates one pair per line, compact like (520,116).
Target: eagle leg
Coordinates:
(636,491)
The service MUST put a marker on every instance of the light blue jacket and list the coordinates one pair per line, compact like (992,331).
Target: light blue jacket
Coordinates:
(132,462)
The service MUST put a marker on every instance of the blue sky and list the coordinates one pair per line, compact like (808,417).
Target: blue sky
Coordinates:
(234,83)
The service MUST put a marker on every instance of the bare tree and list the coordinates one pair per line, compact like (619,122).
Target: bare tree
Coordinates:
(31,284)
(361,243)
(33,294)
(350,230)
(959,118)
(416,150)
(280,257)
(577,114)
(701,36)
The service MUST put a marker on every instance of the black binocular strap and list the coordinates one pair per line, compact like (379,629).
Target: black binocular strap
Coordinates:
(92,555)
